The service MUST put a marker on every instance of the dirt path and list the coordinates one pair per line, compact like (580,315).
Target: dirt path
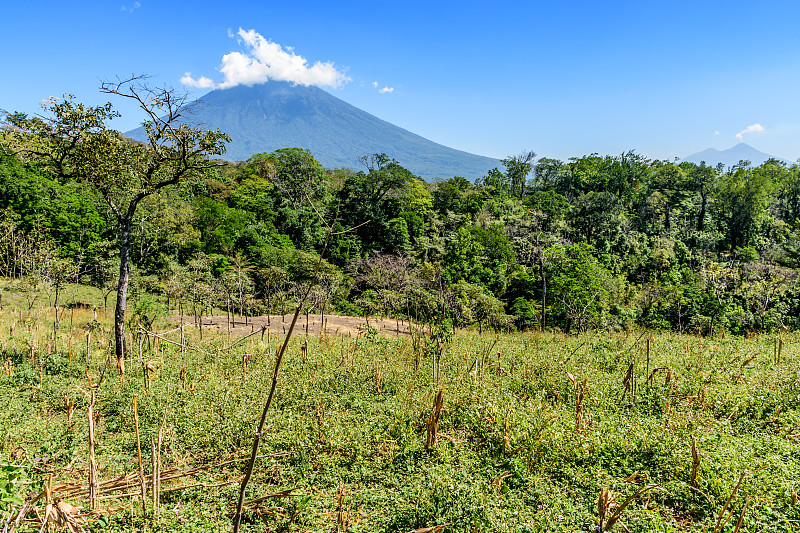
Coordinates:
(279,324)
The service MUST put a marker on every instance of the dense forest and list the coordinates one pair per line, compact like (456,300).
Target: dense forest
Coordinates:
(592,242)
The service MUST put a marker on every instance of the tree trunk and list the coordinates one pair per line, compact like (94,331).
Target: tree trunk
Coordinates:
(701,217)
(122,288)
(544,291)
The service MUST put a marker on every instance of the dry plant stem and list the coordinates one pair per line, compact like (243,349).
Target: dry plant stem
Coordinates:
(237,519)
(11,525)
(139,452)
(286,493)
(432,529)
(432,427)
(341,513)
(602,506)
(580,394)
(247,336)
(722,512)
(156,474)
(195,485)
(741,516)
(695,462)
(505,437)
(157,478)
(92,464)
(182,346)
(618,513)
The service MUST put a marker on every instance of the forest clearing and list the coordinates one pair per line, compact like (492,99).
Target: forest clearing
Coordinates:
(349,326)
(432,431)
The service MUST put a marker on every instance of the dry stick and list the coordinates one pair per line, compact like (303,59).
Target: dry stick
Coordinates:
(722,512)
(183,346)
(432,426)
(157,479)
(741,516)
(141,339)
(139,452)
(195,485)
(209,467)
(183,357)
(11,525)
(129,480)
(155,471)
(248,336)
(695,462)
(580,395)
(615,517)
(237,519)
(92,464)
(286,493)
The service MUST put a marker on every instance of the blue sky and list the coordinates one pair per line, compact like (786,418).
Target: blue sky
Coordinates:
(563,79)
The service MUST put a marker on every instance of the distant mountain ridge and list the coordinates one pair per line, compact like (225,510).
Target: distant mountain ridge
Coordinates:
(273,115)
(732,156)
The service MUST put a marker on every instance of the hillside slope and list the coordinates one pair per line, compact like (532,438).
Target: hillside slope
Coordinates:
(276,115)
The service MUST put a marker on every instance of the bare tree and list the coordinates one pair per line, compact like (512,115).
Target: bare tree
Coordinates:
(388,275)
(74,142)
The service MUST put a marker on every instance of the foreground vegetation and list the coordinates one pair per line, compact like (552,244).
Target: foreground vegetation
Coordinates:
(533,428)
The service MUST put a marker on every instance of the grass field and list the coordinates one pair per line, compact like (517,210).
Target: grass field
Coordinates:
(536,432)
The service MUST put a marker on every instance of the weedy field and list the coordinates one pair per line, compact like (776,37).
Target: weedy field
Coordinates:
(623,431)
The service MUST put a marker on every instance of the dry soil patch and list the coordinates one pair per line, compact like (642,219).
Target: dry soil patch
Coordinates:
(279,324)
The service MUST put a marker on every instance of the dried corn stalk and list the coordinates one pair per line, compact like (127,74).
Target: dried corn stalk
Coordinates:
(605,502)
(432,529)
(432,426)
(580,395)
(498,480)
(342,514)
(63,515)
(695,461)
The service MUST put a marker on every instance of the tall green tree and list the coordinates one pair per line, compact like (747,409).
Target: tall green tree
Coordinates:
(672,182)
(580,286)
(703,180)
(742,202)
(373,201)
(74,142)
(518,167)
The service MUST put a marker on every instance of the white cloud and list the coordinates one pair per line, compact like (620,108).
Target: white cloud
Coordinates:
(265,60)
(716,133)
(201,83)
(131,8)
(385,89)
(750,129)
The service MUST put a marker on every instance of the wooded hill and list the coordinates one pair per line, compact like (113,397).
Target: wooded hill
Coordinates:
(593,242)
